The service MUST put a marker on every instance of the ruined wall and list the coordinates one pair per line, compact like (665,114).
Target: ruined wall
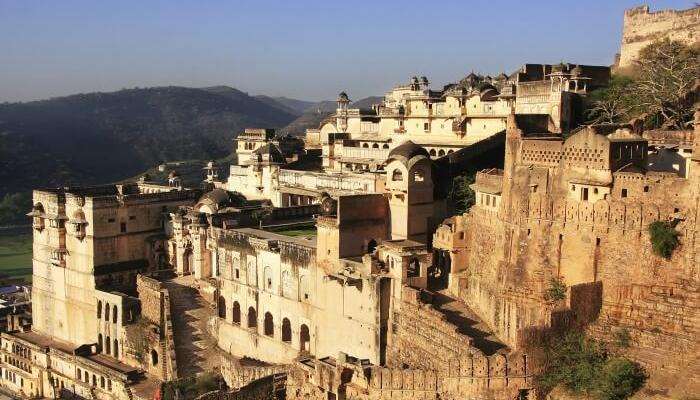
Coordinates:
(498,377)
(422,337)
(641,28)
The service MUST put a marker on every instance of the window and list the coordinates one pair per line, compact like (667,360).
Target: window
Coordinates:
(132,217)
(236,313)
(122,227)
(116,348)
(222,307)
(286,331)
(624,193)
(110,220)
(646,189)
(99,309)
(252,318)
(418,176)
(269,325)
(304,338)
(397,175)
(114,314)
(154,357)
(426,126)
(584,194)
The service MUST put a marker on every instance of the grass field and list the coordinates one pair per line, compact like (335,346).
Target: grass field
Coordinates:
(16,256)
(297,231)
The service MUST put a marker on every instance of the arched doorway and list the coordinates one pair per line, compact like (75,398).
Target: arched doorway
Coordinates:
(252,318)
(222,307)
(371,246)
(304,338)
(439,272)
(286,331)
(269,325)
(236,313)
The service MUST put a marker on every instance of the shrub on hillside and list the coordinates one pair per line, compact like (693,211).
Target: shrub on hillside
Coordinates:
(582,366)
(664,238)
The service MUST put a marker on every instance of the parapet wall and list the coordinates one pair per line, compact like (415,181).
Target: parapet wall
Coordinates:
(641,28)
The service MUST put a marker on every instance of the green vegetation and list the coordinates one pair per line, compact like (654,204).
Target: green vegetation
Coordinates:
(461,197)
(664,238)
(297,231)
(16,256)
(655,89)
(44,143)
(14,207)
(556,290)
(584,367)
(191,388)
(623,338)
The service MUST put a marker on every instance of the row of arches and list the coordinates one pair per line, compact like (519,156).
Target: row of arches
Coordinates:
(268,324)
(106,311)
(439,153)
(107,346)
(375,146)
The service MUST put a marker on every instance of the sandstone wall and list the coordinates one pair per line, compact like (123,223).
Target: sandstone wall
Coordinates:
(641,28)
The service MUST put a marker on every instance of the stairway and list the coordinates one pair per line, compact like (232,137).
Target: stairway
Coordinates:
(195,348)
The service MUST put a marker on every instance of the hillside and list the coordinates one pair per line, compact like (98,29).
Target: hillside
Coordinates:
(101,137)
(312,117)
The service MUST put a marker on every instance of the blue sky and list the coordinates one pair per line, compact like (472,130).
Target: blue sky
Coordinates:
(303,49)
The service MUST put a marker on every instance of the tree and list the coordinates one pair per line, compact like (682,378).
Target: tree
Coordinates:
(613,104)
(461,197)
(664,73)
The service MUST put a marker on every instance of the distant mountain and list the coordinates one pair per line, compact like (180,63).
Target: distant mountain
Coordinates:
(293,106)
(317,112)
(102,137)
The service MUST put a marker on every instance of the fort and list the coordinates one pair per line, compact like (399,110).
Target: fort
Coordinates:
(334,267)
(642,27)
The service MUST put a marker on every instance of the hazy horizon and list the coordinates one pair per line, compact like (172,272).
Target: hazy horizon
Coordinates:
(308,51)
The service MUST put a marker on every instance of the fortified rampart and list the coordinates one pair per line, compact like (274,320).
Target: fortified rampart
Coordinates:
(642,27)
(579,212)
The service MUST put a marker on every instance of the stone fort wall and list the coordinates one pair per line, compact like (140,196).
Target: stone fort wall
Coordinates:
(641,27)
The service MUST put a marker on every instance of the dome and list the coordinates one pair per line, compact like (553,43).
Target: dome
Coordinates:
(408,150)
(343,97)
(220,198)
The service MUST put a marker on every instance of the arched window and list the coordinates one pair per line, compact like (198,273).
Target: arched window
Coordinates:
(385,146)
(304,338)
(375,146)
(236,313)
(252,318)
(365,145)
(413,268)
(286,331)
(269,325)
(267,273)
(116,348)
(450,151)
(114,314)
(441,153)
(99,343)
(418,176)
(371,246)
(154,357)
(222,307)
(102,382)
(107,312)
(397,175)
(108,346)
(432,153)
(99,309)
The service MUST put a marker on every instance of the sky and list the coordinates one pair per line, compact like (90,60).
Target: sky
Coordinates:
(302,49)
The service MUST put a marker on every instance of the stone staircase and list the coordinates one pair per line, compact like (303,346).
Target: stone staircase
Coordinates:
(195,348)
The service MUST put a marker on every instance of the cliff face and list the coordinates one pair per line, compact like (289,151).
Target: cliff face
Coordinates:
(598,244)
(641,28)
